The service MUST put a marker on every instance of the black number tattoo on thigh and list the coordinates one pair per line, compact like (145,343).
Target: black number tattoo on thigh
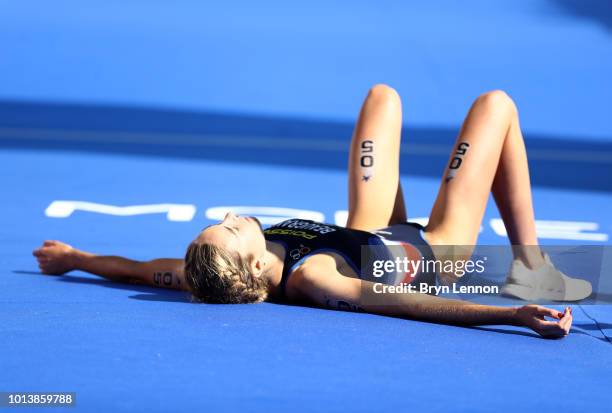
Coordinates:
(367,159)
(457,160)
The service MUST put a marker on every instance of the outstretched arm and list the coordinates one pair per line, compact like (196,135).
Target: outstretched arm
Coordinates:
(55,257)
(339,292)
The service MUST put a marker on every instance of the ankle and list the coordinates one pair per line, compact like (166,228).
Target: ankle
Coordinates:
(531,259)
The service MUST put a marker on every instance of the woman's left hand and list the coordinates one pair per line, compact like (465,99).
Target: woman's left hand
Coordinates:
(533,316)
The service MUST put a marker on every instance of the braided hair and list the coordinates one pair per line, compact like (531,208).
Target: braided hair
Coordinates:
(214,275)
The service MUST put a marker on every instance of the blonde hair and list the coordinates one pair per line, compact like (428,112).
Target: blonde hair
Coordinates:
(214,275)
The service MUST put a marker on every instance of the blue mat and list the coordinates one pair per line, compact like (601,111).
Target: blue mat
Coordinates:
(134,103)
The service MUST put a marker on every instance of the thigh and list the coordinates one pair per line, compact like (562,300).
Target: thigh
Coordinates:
(466,184)
(375,197)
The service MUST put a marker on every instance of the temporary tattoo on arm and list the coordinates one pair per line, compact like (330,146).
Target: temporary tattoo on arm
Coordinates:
(342,305)
(456,161)
(367,160)
(165,279)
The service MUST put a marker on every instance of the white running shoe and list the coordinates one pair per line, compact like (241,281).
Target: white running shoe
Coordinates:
(544,283)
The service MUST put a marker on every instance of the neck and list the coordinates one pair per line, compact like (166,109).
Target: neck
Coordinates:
(274,267)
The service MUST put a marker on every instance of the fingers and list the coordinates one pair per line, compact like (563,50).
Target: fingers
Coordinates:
(46,244)
(47,248)
(43,268)
(48,268)
(555,329)
(566,321)
(543,324)
(43,255)
(39,252)
(40,255)
(543,311)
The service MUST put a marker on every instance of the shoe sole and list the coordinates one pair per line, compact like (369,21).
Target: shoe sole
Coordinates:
(526,293)
(518,291)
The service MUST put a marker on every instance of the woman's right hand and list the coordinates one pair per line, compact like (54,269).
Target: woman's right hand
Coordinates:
(55,257)
(532,316)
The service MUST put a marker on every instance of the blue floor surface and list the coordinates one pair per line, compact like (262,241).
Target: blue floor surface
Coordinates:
(251,105)
(126,347)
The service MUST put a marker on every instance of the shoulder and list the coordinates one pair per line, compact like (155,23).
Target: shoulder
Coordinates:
(312,268)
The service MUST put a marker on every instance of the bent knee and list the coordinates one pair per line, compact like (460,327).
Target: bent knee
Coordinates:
(497,100)
(383,92)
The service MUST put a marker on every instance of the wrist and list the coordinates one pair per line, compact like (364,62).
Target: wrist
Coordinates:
(514,317)
(77,259)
